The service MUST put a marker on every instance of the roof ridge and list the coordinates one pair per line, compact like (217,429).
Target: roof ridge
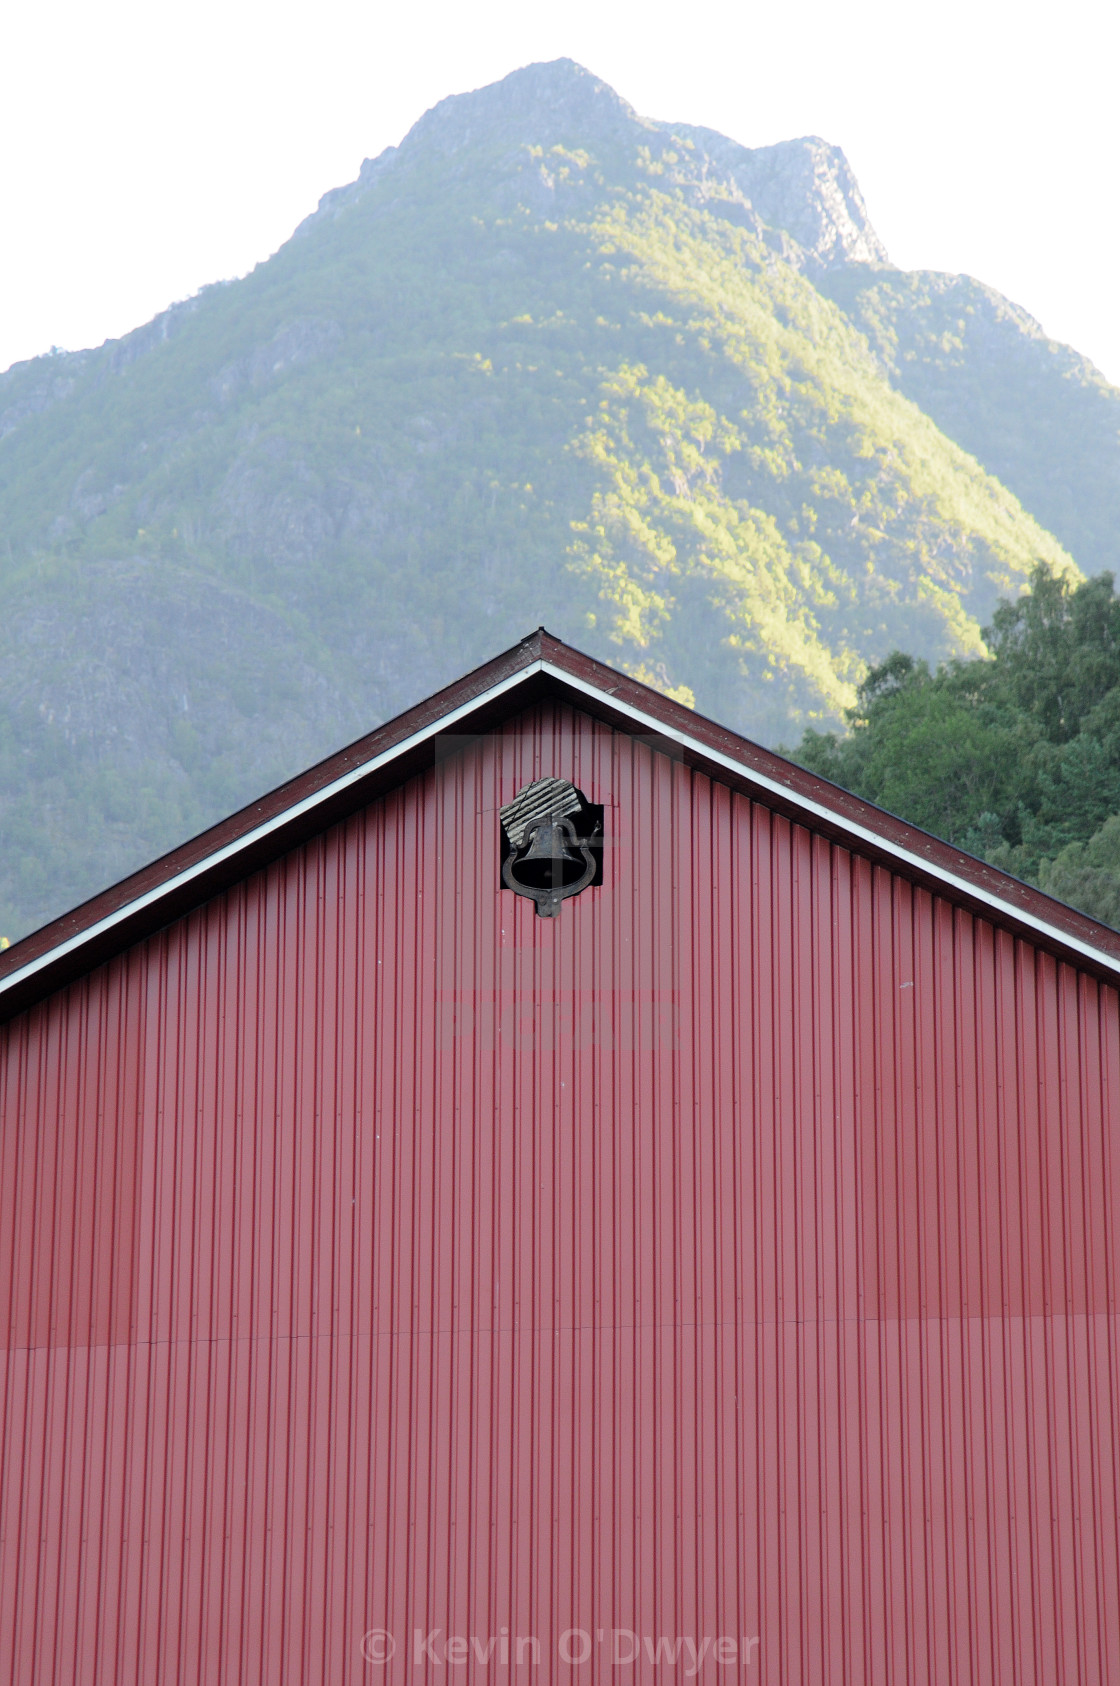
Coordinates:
(537,666)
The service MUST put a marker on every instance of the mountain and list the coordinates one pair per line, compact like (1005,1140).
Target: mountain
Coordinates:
(547,361)
(1038,415)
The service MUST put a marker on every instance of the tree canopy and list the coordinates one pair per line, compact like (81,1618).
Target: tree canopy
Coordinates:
(1014,755)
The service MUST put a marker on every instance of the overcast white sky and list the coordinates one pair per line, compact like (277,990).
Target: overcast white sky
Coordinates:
(148,148)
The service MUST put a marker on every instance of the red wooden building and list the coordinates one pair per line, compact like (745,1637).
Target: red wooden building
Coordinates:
(711,1273)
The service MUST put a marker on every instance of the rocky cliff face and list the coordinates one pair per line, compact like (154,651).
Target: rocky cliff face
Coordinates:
(545,361)
(803,188)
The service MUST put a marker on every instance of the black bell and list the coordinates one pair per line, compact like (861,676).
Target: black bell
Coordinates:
(547,858)
(551,861)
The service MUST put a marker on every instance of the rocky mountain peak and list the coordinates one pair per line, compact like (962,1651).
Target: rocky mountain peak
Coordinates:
(803,188)
(547,104)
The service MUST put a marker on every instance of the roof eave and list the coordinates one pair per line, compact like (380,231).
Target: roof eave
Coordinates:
(540,665)
(275,823)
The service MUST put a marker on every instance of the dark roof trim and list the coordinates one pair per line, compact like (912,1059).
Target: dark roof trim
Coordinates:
(541,666)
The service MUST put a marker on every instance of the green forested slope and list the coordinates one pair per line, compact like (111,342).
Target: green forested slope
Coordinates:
(1038,415)
(544,362)
(1015,756)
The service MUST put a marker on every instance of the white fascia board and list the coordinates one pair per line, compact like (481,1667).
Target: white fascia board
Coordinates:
(260,832)
(817,810)
(650,724)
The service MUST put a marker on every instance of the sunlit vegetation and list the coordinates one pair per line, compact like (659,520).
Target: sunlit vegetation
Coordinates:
(1014,756)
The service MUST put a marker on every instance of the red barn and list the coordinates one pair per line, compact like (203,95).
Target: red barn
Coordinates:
(559,1193)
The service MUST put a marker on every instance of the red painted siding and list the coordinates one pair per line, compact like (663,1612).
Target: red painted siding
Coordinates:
(736,1255)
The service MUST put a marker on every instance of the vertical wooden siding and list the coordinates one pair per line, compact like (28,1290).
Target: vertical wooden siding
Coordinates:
(737,1254)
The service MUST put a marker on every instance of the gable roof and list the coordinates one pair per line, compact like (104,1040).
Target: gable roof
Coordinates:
(539,668)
